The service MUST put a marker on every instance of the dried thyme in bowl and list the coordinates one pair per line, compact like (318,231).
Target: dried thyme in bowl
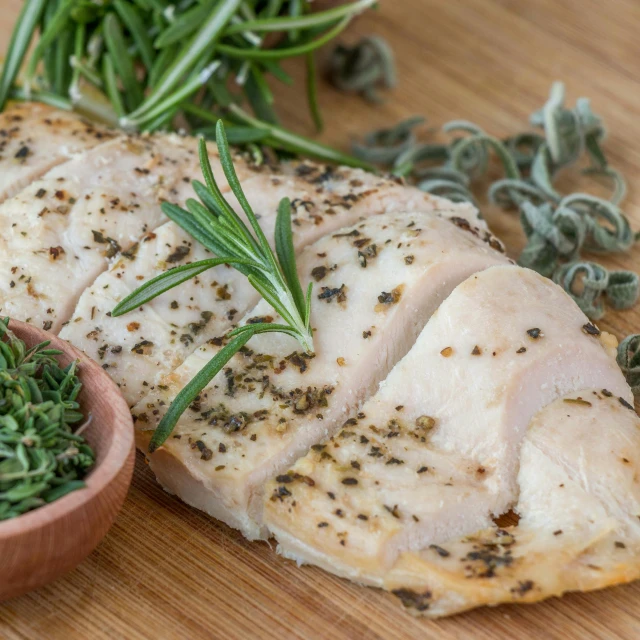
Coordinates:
(42,457)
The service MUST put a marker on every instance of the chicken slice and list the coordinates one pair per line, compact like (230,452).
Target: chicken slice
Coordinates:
(140,347)
(34,138)
(434,453)
(62,230)
(271,403)
(579,506)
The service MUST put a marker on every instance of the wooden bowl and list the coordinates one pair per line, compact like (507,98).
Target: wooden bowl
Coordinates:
(41,545)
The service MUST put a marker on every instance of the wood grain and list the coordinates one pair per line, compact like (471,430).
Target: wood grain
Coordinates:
(40,546)
(167,571)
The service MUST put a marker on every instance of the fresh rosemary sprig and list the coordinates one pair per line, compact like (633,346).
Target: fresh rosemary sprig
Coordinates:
(142,64)
(212,222)
(41,457)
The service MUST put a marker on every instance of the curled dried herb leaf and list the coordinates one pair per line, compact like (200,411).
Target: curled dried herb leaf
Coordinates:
(629,361)
(363,68)
(588,283)
(42,458)
(558,228)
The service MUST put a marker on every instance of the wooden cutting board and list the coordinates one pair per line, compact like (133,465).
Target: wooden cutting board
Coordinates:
(168,571)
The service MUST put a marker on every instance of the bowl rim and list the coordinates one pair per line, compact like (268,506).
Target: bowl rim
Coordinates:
(120,448)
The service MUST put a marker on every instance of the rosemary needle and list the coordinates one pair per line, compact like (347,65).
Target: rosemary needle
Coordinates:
(141,64)
(212,222)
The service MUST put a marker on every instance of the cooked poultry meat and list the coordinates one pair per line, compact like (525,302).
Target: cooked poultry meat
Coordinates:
(503,396)
(62,230)
(579,509)
(144,345)
(35,138)
(421,462)
(377,283)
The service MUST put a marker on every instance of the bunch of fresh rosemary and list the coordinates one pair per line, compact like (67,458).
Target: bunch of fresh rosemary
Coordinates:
(155,64)
(558,228)
(215,224)
(41,457)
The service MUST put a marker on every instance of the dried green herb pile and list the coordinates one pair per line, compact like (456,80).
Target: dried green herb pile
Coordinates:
(41,457)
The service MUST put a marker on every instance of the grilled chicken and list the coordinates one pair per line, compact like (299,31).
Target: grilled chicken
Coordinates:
(508,398)
(579,509)
(377,283)
(140,347)
(35,138)
(63,229)
(422,461)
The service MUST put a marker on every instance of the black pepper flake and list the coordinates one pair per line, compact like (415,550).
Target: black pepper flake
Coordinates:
(443,553)
(142,348)
(394,461)
(390,297)
(409,259)
(606,393)
(625,404)
(207,454)
(41,193)
(423,469)
(179,254)
(523,587)
(332,496)
(260,320)
(222,448)
(22,152)
(558,532)
(535,333)
(353,233)
(578,401)
(521,350)
(590,329)
(339,513)
(47,324)
(284,478)
(476,351)
(318,273)
(355,464)
(366,334)
(280,493)
(361,516)
(620,545)
(321,525)
(412,599)
(364,439)
(350,481)
(329,294)
(393,510)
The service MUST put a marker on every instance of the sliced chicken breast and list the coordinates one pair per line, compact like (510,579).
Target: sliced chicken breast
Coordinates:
(34,138)
(377,283)
(579,526)
(62,230)
(140,347)
(434,453)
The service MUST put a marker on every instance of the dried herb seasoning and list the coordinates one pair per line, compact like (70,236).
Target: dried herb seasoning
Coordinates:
(43,455)
(213,222)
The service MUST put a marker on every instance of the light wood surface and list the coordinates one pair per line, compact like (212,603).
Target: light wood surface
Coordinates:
(46,543)
(168,571)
